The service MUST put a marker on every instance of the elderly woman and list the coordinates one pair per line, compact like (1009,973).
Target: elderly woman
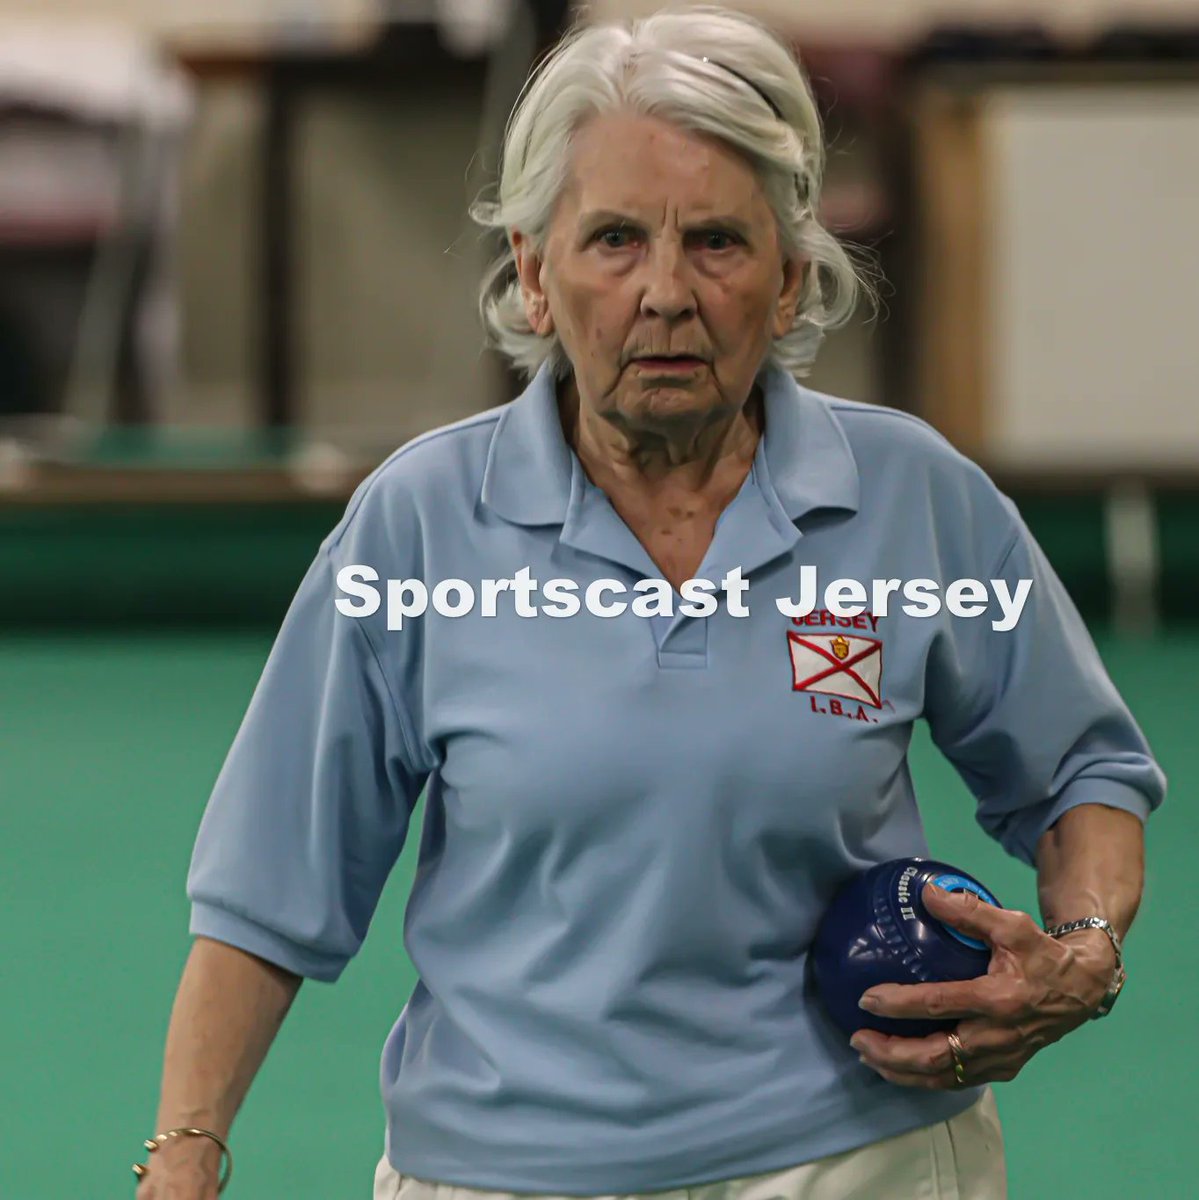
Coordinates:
(637,816)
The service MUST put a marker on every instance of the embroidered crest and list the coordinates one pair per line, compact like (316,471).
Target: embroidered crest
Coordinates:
(836,665)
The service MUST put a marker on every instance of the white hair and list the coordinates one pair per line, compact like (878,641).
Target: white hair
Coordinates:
(656,66)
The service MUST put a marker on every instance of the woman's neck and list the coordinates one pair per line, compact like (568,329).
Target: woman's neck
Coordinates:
(707,457)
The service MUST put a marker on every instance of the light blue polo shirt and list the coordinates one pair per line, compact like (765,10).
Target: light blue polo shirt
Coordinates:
(634,825)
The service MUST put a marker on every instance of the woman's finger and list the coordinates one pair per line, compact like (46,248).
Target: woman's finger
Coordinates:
(978,1072)
(992,996)
(970,914)
(920,1056)
(932,1055)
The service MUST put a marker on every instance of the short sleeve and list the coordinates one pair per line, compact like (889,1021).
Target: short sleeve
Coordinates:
(1029,717)
(311,808)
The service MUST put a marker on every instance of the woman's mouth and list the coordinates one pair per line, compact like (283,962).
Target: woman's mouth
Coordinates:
(678,362)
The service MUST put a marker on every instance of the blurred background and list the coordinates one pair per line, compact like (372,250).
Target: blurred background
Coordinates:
(236,271)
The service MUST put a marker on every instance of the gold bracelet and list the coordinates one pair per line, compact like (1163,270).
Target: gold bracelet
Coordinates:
(152,1144)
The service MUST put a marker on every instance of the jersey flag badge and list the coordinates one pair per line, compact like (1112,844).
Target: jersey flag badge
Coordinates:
(837,665)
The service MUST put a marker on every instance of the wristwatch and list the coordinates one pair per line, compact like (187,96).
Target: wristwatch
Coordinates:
(1118,978)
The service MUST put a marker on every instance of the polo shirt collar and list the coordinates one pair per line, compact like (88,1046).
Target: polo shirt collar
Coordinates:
(807,455)
(807,458)
(527,476)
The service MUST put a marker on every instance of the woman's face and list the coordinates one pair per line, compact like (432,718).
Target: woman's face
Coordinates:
(662,273)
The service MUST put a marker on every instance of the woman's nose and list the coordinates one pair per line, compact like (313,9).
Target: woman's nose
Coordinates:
(669,292)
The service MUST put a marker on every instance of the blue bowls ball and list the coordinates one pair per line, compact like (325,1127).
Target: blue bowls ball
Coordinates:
(877,930)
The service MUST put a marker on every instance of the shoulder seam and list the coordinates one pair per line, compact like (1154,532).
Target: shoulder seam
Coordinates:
(491,414)
(840,406)
(406,734)
(1006,553)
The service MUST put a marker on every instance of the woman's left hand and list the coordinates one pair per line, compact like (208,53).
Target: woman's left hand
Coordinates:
(1036,990)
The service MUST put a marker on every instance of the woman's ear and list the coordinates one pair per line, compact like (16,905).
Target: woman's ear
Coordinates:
(528,271)
(794,273)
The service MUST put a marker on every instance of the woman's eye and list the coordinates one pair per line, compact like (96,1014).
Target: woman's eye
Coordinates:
(715,239)
(615,238)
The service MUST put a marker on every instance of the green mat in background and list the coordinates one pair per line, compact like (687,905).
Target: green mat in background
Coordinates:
(110,746)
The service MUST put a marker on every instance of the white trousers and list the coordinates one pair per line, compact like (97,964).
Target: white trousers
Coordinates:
(958,1159)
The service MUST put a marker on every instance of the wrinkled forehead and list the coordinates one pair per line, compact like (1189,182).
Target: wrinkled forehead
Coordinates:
(645,166)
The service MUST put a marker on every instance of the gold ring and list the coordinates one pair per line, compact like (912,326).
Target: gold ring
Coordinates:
(958,1051)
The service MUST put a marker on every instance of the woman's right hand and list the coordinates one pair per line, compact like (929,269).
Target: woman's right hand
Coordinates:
(181,1171)
(228,1009)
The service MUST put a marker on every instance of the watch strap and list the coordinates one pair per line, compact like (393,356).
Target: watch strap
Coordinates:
(1118,976)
